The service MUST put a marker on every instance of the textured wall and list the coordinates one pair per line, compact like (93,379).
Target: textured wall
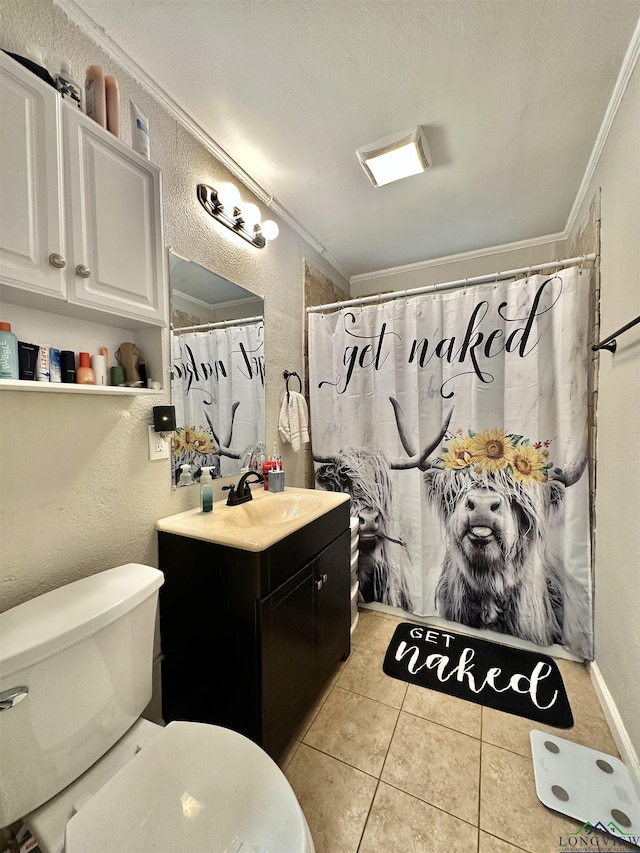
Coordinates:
(78,492)
(617,555)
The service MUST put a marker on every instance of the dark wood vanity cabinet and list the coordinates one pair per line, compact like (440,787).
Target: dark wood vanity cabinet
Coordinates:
(250,638)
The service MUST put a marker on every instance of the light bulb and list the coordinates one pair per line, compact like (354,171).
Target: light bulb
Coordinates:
(269,229)
(251,215)
(228,196)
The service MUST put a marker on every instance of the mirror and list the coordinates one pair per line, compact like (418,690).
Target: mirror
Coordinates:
(217,372)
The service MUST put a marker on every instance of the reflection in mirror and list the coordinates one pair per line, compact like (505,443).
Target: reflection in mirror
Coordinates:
(217,373)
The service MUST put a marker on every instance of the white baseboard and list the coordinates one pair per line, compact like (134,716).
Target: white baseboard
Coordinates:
(618,731)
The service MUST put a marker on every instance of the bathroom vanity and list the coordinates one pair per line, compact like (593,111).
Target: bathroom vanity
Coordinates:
(255,610)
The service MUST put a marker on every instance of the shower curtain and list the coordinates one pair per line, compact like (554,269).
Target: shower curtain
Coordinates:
(217,387)
(457,421)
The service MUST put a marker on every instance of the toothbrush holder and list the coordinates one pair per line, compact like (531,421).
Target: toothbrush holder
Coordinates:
(276,481)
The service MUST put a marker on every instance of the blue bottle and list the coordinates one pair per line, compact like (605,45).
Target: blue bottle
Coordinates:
(8,352)
(206,490)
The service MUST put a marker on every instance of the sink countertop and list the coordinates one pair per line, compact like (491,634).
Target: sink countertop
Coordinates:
(224,525)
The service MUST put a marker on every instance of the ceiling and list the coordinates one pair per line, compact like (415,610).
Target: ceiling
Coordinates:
(511,94)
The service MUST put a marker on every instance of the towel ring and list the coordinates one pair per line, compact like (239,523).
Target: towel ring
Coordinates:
(287,376)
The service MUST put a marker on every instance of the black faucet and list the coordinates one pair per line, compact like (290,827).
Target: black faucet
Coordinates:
(242,493)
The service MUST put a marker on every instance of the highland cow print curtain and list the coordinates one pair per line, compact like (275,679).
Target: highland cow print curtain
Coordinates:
(457,421)
(217,387)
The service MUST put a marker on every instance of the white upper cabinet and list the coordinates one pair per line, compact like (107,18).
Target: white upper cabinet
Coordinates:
(31,211)
(80,212)
(113,199)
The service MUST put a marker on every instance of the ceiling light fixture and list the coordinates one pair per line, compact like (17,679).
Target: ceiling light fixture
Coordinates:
(224,205)
(395,157)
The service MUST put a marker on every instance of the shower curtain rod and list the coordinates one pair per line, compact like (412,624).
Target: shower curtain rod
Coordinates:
(450,285)
(241,321)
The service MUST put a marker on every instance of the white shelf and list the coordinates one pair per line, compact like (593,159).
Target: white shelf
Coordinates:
(71,388)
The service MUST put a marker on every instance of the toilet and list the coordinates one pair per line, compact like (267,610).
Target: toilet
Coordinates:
(86,773)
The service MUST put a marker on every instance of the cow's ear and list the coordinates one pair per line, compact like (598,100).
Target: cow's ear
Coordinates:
(430,479)
(556,492)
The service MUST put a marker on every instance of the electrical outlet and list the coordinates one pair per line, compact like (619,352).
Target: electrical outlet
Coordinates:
(158,447)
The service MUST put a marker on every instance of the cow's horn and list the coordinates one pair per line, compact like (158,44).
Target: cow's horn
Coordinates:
(226,451)
(210,422)
(571,473)
(325,460)
(234,406)
(415,460)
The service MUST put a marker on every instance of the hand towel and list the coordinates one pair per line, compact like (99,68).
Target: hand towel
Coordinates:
(293,425)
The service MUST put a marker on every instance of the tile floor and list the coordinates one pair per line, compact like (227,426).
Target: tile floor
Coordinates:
(380,766)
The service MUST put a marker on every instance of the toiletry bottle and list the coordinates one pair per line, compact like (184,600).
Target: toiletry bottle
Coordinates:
(68,365)
(67,86)
(99,367)
(27,360)
(112,93)
(84,373)
(206,490)
(43,369)
(139,131)
(95,95)
(55,366)
(266,467)
(185,477)
(8,352)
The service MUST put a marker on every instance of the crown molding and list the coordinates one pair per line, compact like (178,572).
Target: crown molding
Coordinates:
(626,70)
(461,256)
(97,34)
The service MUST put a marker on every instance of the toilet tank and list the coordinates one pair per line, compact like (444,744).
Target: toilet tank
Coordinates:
(82,657)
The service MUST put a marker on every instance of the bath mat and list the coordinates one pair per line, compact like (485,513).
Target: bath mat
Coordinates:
(588,785)
(523,683)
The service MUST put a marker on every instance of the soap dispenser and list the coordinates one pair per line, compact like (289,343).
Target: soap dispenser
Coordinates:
(206,490)
(185,477)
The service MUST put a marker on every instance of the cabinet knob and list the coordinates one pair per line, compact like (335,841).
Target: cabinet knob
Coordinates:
(57,261)
(83,272)
(319,584)
(325,578)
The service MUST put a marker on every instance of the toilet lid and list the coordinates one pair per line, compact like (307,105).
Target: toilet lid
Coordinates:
(194,787)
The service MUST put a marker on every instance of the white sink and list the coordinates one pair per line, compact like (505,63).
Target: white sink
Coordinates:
(273,509)
(257,524)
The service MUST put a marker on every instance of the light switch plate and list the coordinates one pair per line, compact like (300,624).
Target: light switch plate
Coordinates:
(158,446)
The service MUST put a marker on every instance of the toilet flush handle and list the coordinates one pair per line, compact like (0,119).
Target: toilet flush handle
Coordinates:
(11,697)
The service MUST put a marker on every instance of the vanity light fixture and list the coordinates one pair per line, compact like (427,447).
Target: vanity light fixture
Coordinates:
(224,205)
(395,157)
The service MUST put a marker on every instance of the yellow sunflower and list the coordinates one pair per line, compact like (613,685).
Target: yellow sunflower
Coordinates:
(458,453)
(201,441)
(492,449)
(528,464)
(191,439)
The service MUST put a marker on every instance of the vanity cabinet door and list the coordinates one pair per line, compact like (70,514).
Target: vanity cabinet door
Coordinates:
(333,605)
(287,656)
(114,203)
(31,215)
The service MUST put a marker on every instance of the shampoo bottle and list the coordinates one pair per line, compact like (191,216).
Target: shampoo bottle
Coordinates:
(206,490)
(8,352)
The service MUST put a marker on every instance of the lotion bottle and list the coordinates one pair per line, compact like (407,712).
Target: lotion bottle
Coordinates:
(206,490)
(85,374)
(112,93)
